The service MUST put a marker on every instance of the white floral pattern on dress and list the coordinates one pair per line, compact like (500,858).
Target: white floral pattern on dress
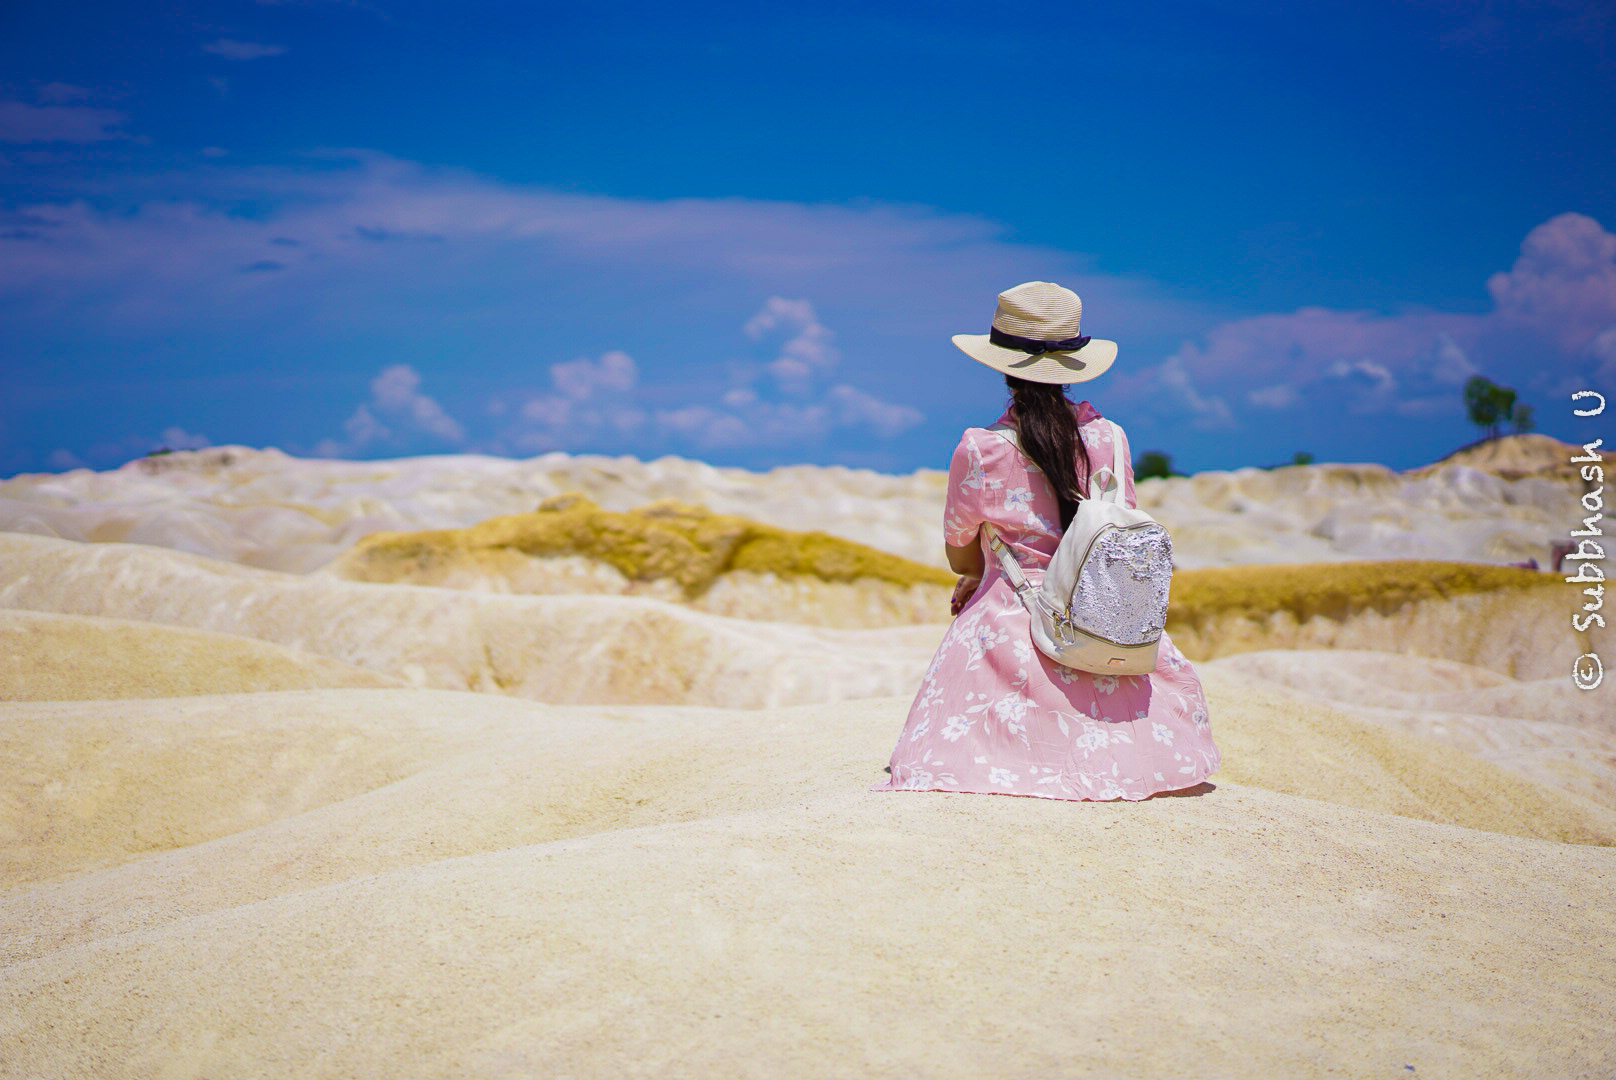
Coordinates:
(1096,436)
(994,715)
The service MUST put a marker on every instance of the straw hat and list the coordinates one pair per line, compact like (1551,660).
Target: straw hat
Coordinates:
(1035,337)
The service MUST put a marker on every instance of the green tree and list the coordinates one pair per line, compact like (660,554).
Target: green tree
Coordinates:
(1302,458)
(1153,463)
(1489,404)
(1522,419)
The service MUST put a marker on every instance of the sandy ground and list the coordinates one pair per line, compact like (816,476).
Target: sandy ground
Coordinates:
(257,824)
(400,882)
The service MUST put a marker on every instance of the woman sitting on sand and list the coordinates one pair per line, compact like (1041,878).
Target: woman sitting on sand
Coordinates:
(993,713)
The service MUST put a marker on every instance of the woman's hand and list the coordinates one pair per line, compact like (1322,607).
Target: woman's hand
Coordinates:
(964,589)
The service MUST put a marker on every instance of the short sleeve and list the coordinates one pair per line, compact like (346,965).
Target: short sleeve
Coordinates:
(963,511)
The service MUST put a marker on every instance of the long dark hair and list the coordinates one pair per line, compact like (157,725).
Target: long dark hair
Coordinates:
(1049,435)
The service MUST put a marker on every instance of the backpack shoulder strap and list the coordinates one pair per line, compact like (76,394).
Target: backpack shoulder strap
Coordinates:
(1007,559)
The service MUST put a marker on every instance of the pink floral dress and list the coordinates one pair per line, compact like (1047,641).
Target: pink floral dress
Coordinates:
(996,715)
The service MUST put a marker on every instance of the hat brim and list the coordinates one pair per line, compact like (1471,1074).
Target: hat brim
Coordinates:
(1089,362)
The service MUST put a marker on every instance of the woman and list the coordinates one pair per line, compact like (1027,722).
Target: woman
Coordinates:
(993,713)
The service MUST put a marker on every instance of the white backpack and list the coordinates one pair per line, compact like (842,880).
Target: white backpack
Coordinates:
(1102,604)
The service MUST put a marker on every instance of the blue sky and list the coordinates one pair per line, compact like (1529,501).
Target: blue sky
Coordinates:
(376,228)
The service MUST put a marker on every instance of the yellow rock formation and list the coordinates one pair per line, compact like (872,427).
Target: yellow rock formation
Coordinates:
(687,545)
(1514,621)
(669,551)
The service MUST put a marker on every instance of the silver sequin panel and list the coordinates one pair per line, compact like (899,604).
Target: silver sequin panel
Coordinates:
(1121,594)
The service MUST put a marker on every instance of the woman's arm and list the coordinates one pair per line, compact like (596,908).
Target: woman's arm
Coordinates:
(966,561)
(962,521)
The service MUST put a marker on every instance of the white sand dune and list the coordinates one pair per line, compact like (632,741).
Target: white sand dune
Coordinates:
(1544,729)
(1334,513)
(259,824)
(50,657)
(265,508)
(1414,683)
(1501,503)
(557,648)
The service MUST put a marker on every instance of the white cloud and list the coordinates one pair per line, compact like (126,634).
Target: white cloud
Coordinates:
(59,93)
(857,409)
(706,427)
(1376,386)
(395,394)
(375,238)
(241,50)
(581,379)
(1563,285)
(1554,304)
(397,391)
(1604,352)
(761,423)
(177,438)
(362,428)
(807,352)
(20,123)
(591,399)
(1277,396)
(1451,366)
(61,460)
(1207,413)
(601,400)
(1428,406)
(1382,380)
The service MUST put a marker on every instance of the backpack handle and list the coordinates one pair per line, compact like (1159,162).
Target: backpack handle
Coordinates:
(1111,489)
